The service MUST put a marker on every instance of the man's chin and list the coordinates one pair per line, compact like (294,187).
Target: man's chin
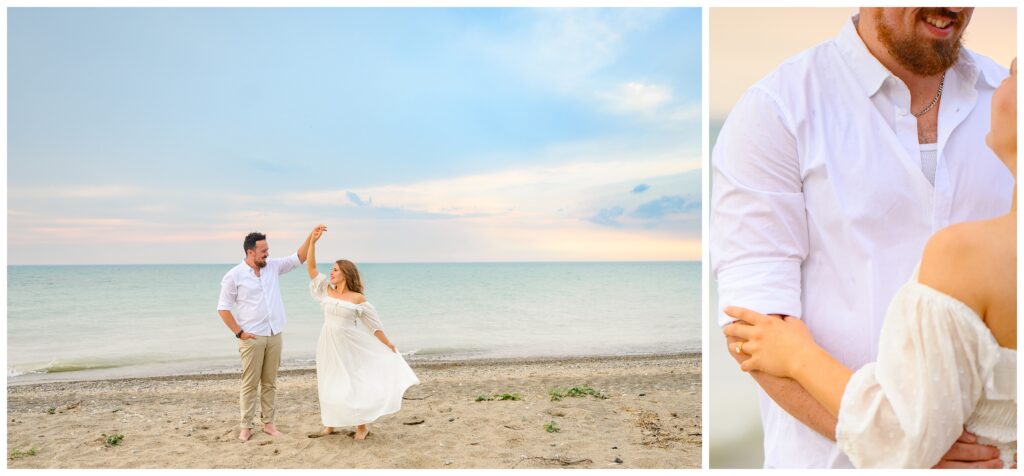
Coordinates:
(938,56)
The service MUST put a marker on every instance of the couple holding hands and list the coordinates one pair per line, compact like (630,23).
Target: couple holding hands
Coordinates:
(360,374)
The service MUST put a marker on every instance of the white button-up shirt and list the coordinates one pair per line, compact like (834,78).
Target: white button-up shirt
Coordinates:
(820,208)
(255,301)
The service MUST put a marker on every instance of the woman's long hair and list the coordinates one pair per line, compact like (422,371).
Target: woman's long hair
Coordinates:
(351,273)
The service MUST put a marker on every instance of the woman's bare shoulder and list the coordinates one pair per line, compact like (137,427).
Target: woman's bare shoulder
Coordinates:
(961,261)
(357,298)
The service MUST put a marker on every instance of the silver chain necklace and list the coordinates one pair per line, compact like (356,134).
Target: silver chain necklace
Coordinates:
(935,99)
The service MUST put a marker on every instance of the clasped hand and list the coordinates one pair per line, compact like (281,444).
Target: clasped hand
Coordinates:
(318,231)
(776,345)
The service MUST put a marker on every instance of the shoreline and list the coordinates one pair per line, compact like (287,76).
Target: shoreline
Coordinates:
(415,363)
(651,418)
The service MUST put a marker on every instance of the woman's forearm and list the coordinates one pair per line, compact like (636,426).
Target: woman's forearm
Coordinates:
(383,338)
(792,397)
(784,347)
(824,377)
(311,258)
(302,251)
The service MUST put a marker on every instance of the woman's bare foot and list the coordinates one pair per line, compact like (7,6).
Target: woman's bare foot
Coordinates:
(245,434)
(326,431)
(269,429)
(361,432)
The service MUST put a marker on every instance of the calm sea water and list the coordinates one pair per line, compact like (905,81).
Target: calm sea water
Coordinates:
(106,321)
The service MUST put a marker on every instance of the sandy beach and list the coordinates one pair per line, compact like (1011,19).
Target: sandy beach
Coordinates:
(650,419)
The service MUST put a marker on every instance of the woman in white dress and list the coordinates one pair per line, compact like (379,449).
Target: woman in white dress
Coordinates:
(947,357)
(360,374)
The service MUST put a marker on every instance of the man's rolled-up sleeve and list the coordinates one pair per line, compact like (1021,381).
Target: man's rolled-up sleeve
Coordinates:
(228,293)
(287,263)
(758,219)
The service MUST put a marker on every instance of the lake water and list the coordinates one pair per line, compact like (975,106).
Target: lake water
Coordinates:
(69,322)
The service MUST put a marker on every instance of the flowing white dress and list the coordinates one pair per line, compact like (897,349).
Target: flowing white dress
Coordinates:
(939,369)
(359,379)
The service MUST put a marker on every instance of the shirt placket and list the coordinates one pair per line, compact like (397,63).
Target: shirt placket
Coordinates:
(953,110)
(266,304)
(905,124)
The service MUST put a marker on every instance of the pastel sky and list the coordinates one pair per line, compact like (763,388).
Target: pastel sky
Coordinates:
(416,135)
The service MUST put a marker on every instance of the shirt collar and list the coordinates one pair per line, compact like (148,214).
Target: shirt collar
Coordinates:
(248,268)
(868,71)
(871,74)
(968,67)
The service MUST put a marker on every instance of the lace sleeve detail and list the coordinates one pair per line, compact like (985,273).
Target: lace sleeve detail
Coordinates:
(318,287)
(371,318)
(908,408)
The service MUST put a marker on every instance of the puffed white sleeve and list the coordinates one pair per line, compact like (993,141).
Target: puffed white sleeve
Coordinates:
(369,316)
(318,287)
(906,409)
(758,217)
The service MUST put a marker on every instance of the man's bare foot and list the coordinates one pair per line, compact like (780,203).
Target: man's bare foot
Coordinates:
(361,432)
(245,434)
(269,429)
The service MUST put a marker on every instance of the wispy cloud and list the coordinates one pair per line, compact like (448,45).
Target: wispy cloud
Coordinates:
(641,188)
(573,52)
(665,206)
(650,102)
(608,217)
(675,214)
(354,198)
(637,97)
(518,191)
(564,48)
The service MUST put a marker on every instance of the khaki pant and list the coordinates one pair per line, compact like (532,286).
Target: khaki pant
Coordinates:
(260,359)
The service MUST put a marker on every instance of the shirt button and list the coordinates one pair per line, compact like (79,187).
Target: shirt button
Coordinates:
(901,112)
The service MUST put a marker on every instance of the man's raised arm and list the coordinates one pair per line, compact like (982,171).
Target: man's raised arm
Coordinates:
(304,247)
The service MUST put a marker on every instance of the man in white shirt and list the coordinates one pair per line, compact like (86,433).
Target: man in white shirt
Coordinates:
(829,176)
(250,305)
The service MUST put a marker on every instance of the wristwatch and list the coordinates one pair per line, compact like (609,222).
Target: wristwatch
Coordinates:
(239,335)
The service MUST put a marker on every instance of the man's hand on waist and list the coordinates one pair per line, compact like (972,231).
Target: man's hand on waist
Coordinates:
(967,453)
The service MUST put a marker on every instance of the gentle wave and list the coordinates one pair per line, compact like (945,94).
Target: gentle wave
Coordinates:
(58,367)
(430,352)
(92,363)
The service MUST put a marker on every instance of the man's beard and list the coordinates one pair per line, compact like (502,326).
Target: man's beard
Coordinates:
(923,57)
(261,263)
